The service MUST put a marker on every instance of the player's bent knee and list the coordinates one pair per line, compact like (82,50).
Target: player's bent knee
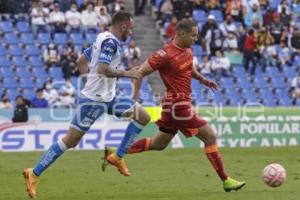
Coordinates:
(72,138)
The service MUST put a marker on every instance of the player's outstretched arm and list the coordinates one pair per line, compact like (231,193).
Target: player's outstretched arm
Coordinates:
(203,80)
(106,70)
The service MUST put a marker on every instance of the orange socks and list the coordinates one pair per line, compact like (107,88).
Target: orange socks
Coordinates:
(140,146)
(216,161)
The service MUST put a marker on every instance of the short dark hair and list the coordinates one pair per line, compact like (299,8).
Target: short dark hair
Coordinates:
(185,25)
(120,17)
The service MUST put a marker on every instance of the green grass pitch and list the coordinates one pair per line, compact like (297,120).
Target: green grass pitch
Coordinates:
(168,175)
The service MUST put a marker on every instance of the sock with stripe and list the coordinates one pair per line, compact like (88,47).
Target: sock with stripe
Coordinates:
(132,131)
(139,146)
(216,161)
(55,151)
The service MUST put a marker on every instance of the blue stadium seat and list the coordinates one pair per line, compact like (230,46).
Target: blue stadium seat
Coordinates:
(12,93)
(260,82)
(7,72)
(32,50)
(26,83)
(16,50)
(3,51)
(6,27)
(28,93)
(27,38)
(199,16)
(23,27)
(11,39)
(78,48)
(60,38)
(19,61)
(298,102)
(269,102)
(243,82)
(227,82)
(266,93)
(55,72)
(76,38)
(282,93)
(239,71)
(23,73)
(44,38)
(278,82)
(272,72)
(249,95)
(218,15)
(200,24)
(40,82)
(289,72)
(10,82)
(285,102)
(4,62)
(35,61)
(90,37)
(197,50)
(39,72)
(158,3)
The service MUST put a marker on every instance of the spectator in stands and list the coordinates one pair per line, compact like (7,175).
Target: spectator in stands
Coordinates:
(213,38)
(295,88)
(133,54)
(257,25)
(38,101)
(5,102)
(200,5)
(51,55)
(249,51)
(253,14)
(100,5)
(180,8)
(139,7)
(89,19)
(213,5)
(19,9)
(268,17)
(104,19)
(294,42)
(231,42)
(284,54)
(57,20)
(269,55)
(39,18)
(117,6)
(166,11)
(171,29)
(203,67)
(68,61)
(263,37)
(276,28)
(73,19)
(242,34)
(295,9)
(21,111)
(285,15)
(220,65)
(227,26)
(51,94)
(209,24)
(67,94)
(235,9)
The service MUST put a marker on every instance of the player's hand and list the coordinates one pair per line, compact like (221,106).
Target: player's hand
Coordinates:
(134,74)
(211,84)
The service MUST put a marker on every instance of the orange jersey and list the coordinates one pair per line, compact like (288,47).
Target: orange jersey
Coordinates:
(175,66)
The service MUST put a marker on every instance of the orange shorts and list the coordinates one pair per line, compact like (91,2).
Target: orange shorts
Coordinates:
(184,119)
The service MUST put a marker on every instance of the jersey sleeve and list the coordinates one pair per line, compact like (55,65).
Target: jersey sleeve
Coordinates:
(158,59)
(108,49)
(88,53)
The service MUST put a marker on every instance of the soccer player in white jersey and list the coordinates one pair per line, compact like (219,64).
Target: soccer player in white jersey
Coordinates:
(97,97)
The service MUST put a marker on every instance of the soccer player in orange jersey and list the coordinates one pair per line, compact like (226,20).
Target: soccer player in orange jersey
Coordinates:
(175,65)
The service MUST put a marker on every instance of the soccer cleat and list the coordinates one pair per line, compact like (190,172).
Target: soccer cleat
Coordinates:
(231,184)
(119,163)
(31,181)
(107,151)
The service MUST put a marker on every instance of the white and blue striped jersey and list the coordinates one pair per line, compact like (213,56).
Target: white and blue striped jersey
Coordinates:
(106,49)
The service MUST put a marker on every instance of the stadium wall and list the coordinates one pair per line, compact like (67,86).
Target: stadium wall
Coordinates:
(236,127)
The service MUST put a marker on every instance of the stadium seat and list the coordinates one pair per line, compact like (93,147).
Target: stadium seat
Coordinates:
(60,38)
(239,71)
(26,83)
(32,50)
(289,72)
(4,62)
(90,38)
(44,38)
(19,61)
(278,82)
(200,24)
(7,72)
(269,101)
(249,95)
(218,15)
(243,82)
(285,102)
(3,51)
(12,93)
(77,38)
(227,82)
(10,82)
(39,72)
(55,72)
(23,73)
(272,72)
(282,93)
(158,3)
(28,93)
(197,50)
(35,61)
(27,38)
(266,93)
(16,50)
(40,82)
(11,39)
(260,82)
(6,27)
(199,16)
(23,27)
(78,48)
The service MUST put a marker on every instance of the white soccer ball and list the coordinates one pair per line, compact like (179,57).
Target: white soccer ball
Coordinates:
(274,175)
